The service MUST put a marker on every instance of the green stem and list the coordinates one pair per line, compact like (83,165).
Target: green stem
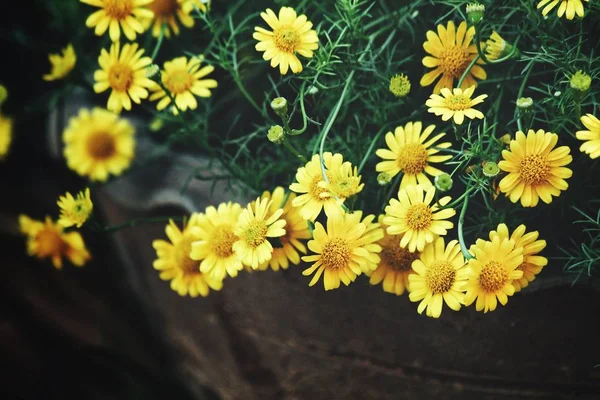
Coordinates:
(133,223)
(464,75)
(370,149)
(482,55)
(240,85)
(171,97)
(295,152)
(461,220)
(393,186)
(521,90)
(158,42)
(460,198)
(295,132)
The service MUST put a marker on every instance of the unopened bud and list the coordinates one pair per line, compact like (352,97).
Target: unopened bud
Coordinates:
(524,104)
(156,124)
(400,85)
(443,182)
(312,90)
(152,70)
(475,12)
(491,169)
(276,134)
(581,82)
(506,138)
(280,106)
(383,179)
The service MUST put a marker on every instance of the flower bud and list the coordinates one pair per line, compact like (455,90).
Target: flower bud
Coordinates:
(581,82)
(152,70)
(443,182)
(400,85)
(383,179)
(524,104)
(276,134)
(506,138)
(3,94)
(156,124)
(475,12)
(490,169)
(312,90)
(280,106)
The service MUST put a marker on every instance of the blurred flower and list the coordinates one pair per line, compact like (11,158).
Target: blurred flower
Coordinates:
(167,12)
(112,13)
(61,64)
(5,135)
(455,104)
(75,210)
(590,136)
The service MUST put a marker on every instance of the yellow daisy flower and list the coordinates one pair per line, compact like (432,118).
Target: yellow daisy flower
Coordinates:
(123,71)
(291,34)
(175,265)
(451,53)
(5,135)
(532,263)
(214,248)
(183,79)
(47,240)
(256,224)
(61,64)
(536,170)
(395,264)
(345,250)
(167,12)
(493,271)
(315,194)
(296,231)
(411,153)
(570,7)
(496,47)
(440,277)
(112,13)
(591,136)
(75,210)
(98,143)
(455,104)
(413,216)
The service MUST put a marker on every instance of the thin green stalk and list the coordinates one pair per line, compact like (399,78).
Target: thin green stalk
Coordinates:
(133,223)
(464,75)
(295,132)
(521,90)
(461,221)
(393,186)
(158,42)
(370,149)
(295,152)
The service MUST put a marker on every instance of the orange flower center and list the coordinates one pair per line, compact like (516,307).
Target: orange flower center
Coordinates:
(164,8)
(440,277)
(118,9)
(120,77)
(49,243)
(418,217)
(316,190)
(255,233)
(399,258)
(458,102)
(412,158)
(454,61)
(222,241)
(336,254)
(178,81)
(534,169)
(101,146)
(493,277)
(286,39)
(182,256)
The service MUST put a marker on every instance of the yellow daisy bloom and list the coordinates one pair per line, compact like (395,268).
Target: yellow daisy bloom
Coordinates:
(536,170)
(413,216)
(98,143)
(112,13)
(411,153)
(496,47)
(61,64)
(75,210)
(570,7)
(451,53)
(455,104)
(167,12)
(256,224)
(123,71)
(315,194)
(296,231)
(493,271)
(395,264)
(591,136)
(214,248)
(47,240)
(345,250)
(183,78)
(532,263)
(175,264)
(291,34)
(440,277)
(5,135)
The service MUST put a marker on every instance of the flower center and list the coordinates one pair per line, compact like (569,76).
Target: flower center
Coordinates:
(164,8)
(346,187)
(458,102)
(418,217)
(120,77)
(182,256)
(101,145)
(534,169)
(336,253)
(412,158)
(178,81)
(315,190)
(49,243)
(118,9)
(255,234)
(400,259)
(493,276)
(222,241)
(440,277)
(454,61)
(286,39)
